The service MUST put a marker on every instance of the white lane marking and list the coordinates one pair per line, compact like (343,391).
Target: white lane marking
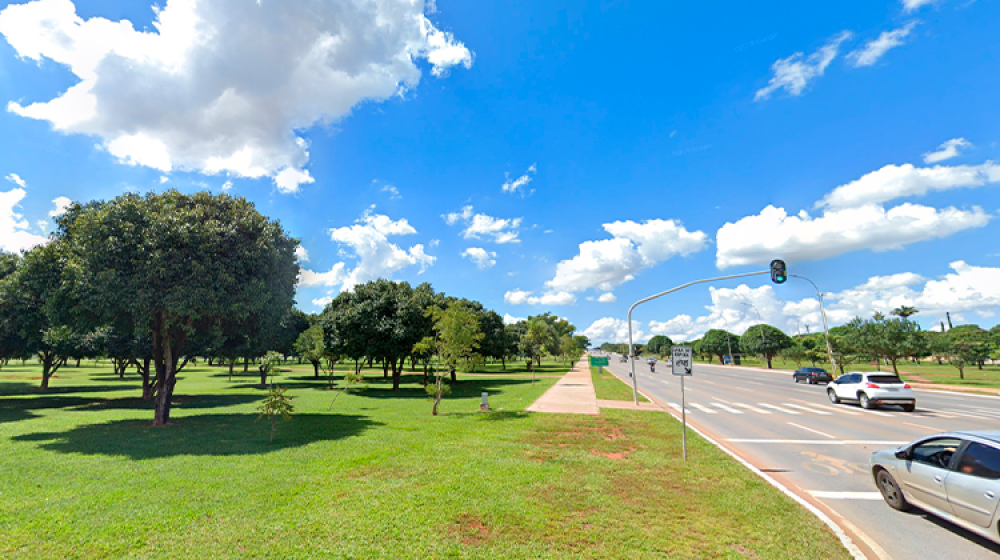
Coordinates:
(993,413)
(841,409)
(726,408)
(703,408)
(818,441)
(771,406)
(845,495)
(677,407)
(919,426)
(807,409)
(753,408)
(812,430)
(876,412)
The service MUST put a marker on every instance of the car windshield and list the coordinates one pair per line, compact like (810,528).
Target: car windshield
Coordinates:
(814,370)
(885,379)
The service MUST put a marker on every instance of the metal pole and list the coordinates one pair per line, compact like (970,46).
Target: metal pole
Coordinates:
(635,385)
(826,328)
(684,421)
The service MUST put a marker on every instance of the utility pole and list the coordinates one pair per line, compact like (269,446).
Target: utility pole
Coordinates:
(826,327)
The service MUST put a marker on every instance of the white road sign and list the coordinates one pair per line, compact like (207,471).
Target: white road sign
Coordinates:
(681,360)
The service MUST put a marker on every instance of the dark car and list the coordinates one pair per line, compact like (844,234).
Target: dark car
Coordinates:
(812,375)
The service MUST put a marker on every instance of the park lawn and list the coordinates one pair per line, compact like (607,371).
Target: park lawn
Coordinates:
(372,476)
(610,388)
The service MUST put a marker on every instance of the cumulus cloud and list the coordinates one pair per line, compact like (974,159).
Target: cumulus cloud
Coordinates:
(521,297)
(301,254)
(794,73)
(61,205)
(509,319)
(226,186)
(607,297)
(14,234)
(164,179)
(519,184)
(482,226)
(222,86)
(323,301)
(335,276)
(948,150)
(895,181)
(773,233)
(635,246)
(480,256)
(610,329)
(16,179)
(966,290)
(393,192)
(873,50)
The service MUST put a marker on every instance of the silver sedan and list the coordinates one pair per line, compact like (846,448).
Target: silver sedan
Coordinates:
(954,475)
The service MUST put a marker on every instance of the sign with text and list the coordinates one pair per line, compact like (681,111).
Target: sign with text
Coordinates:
(681,360)
(598,360)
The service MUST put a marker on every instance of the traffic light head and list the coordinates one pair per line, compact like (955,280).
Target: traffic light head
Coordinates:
(778,274)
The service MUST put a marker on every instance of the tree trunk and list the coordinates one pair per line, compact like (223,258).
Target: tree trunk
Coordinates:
(148,390)
(168,343)
(231,363)
(425,375)
(894,370)
(397,371)
(437,398)
(961,373)
(316,369)
(263,376)
(385,368)
(768,356)
(453,377)
(504,362)
(78,362)
(246,364)
(46,372)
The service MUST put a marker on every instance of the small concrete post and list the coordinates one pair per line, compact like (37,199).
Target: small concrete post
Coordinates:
(485,405)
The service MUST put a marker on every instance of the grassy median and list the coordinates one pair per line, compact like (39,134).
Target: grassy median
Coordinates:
(609,387)
(373,476)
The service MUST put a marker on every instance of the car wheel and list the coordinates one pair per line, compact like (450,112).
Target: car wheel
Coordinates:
(833,396)
(866,403)
(797,380)
(891,492)
(909,407)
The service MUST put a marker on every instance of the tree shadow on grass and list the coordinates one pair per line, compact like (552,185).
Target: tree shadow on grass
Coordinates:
(26,389)
(201,435)
(9,411)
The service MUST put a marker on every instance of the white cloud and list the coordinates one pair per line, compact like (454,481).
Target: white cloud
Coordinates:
(607,297)
(948,150)
(517,185)
(912,5)
(480,256)
(61,203)
(222,86)
(335,276)
(14,235)
(16,179)
(227,185)
(635,246)
(323,301)
(895,181)
(774,234)
(794,73)
(479,226)
(301,254)
(378,258)
(393,192)
(610,329)
(509,319)
(43,225)
(521,297)
(873,50)
(164,179)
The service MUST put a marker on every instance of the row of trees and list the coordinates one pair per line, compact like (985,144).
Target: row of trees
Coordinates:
(153,281)
(880,339)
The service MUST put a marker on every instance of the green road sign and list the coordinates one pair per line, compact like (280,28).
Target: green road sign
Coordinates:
(598,360)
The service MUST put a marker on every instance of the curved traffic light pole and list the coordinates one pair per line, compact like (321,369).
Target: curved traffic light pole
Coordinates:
(826,329)
(631,351)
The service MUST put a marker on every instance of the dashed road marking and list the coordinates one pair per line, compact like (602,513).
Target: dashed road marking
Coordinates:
(726,408)
(822,494)
(824,434)
(807,409)
(703,408)
(818,441)
(771,406)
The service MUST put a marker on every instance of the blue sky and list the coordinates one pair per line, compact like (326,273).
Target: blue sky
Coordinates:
(566,157)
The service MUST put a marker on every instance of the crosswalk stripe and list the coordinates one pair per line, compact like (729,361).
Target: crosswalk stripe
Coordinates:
(726,408)
(677,407)
(807,409)
(753,408)
(765,405)
(842,409)
(703,408)
(876,412)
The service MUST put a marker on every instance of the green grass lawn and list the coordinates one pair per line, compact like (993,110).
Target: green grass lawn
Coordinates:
(85,475)
(609,387)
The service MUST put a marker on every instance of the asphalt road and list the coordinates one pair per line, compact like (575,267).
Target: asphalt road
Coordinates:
(823,449)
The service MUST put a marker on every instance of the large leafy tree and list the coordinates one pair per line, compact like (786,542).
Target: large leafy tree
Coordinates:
(886,339)
(309,346)
(178,264)
(764,340)
(659,345)
(719,343)
(971,343)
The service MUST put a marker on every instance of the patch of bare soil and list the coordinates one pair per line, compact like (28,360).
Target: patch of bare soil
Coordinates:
(470,529)
(619,456)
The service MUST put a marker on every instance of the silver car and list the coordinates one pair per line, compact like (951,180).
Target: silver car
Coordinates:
(872,389)
(954,475)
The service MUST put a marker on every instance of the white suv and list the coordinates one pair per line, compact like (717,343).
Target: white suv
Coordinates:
(872,389)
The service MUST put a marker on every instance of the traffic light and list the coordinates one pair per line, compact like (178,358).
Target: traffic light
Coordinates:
(778,274)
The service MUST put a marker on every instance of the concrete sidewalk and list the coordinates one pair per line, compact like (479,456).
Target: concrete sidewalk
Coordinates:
(573,394)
